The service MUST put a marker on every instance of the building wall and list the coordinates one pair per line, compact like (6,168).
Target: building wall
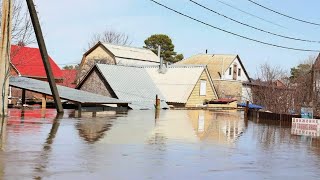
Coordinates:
(98,54)
(242,76)
(195,98)
(95,84)
(229,89)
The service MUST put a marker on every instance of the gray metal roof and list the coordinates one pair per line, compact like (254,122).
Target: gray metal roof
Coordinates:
(132,84)
(66,93)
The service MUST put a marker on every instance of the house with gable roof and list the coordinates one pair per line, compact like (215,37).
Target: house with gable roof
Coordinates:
(129,83)
(184,85)
(228,74)
(105,53)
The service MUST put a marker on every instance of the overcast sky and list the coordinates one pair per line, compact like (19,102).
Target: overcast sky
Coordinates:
(69,24)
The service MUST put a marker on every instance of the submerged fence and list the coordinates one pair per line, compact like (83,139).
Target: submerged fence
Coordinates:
(268,116)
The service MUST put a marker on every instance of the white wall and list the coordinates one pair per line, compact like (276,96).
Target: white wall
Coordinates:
(243,76)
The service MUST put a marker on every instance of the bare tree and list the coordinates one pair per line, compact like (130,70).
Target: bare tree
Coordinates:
(110,36)
(22,29)
(271,89)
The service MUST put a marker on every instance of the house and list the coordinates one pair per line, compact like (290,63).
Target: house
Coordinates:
(27,62)
(227,72)
(183,85)
(104,53)
(127,83)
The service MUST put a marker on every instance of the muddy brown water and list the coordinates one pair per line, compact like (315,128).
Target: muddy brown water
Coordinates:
(143,145)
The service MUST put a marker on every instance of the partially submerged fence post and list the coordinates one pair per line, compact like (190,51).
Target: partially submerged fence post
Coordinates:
(246,111)
(157,102)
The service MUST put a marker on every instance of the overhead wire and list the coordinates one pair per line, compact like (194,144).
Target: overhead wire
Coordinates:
(250,14)
(253,27)
(290,17)
(235,34)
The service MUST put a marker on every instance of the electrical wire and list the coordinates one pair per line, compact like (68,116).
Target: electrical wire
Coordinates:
(253,27)
(290,17)
(250,14)
(232,33)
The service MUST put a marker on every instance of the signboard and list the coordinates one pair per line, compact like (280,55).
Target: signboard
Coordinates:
(306,127)
(306,112)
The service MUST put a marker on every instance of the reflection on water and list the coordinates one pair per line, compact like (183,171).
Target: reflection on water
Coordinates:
(148,145)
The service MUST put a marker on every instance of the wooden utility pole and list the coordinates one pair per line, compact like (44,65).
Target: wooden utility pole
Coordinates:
(5,48)
(44,55)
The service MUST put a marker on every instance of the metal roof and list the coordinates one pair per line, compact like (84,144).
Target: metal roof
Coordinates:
(176,82)
(66,93)
(132,84)
(126,52)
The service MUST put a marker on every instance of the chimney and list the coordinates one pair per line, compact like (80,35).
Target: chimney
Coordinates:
(161,64)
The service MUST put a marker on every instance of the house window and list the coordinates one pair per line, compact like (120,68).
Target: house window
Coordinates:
(203,87)
(230,70)
(239,72)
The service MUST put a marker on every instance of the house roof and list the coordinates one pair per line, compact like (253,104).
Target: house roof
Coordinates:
(28,62)
(178,81)
(132,84)
(69,77)
(127,52)
(216,63)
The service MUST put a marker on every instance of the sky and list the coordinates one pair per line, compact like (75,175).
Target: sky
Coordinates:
(69,25)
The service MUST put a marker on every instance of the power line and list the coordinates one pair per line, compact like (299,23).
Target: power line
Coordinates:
(229,32)
(250,14)
(253,27)
(290,17)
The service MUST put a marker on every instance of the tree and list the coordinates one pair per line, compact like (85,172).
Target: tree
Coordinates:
(300,70)
(22,29)
(167,47)
(109,36)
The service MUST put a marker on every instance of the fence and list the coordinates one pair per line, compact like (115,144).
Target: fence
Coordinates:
(268,116)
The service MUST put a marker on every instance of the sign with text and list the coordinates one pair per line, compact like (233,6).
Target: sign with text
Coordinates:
(306,127)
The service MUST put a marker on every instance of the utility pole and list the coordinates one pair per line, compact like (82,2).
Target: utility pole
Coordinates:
(5,48)
(44,55)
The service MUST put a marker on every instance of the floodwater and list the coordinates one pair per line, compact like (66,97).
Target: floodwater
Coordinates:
(143,145)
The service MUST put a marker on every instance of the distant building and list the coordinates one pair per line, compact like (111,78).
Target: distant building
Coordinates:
(127,83)
(228,74)
(69,78)
(184,85)
(104,53)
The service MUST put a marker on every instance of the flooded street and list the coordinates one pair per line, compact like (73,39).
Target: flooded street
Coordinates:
(142,145)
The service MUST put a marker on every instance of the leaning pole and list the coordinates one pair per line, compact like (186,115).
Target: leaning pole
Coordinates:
(44,55)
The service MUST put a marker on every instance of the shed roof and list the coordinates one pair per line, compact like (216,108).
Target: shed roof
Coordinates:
(66,93)
(132,84)
(28,62)
(127,52)
(216,63)
(177,82)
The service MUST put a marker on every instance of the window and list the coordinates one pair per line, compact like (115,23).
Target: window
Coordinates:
(203,87)
(230,70)
(239,72)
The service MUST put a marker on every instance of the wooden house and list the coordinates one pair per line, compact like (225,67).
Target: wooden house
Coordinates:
(184,85)
(104,53)
(228,74)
